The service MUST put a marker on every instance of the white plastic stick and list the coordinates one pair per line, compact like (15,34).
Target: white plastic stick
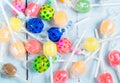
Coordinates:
(76,46)
(105,4)
(2,52)
(6,19)
(117,71)
(20,77)
(38,1)
(51,69)
(55,4)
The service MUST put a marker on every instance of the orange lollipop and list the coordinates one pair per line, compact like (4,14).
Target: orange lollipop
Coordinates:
(107,27)
(4,35)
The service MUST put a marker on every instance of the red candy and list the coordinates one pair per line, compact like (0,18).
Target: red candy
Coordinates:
(105,78)
(19,5)
(61,76)
(64,46)
(32,9)
(33,46)
(114,58)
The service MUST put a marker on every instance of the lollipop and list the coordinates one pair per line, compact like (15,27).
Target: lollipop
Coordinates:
(11,71)
(17,48)
(41,63)
(19,5)
(84,6)
(60,17)
(56,80)
(33,9)
(50,49)
(64,45)
(46,12)
(105,78)
(114,60)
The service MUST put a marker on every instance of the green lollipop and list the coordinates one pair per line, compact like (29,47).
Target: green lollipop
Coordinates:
(46,12)
(41,63)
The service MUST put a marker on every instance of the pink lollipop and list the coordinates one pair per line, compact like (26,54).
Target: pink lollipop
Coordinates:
(32,9)
(105,78)
(64,45)
(19,5)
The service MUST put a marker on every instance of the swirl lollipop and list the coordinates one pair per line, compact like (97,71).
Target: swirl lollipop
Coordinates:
(84,6)
(11,71)
(19,5)
(17,47)
(114,60)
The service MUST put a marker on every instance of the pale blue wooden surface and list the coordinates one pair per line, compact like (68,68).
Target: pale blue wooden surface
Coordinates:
(96,16)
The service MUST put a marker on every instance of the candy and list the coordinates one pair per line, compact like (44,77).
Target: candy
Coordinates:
(46,12)
(41,63)
(105,78)
(33,46)
(114,58)
(61,76)
(82,6)
(19,5)
(35,25)
(64,45)
(4,35)
(32,9)
(107,27)
(62,1)
(54,33)
(9,70)
(60,18)
(15,24)
(17,49)
(49,49)
(91,44)
(78,68)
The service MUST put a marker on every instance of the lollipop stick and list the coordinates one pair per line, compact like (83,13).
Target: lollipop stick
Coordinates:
(38,1)
(2,52)
(55,4)
(51,70)
(106,4)
(6,19)
(117,71)
(76,46)
(26,81)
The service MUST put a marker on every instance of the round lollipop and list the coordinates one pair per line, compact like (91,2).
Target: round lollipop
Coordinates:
(33,9)
(84,6)
(19,5)
(114,60)
(60,17)
(73,52)
(17,48)
(105,78)
(46,12)
(11,71)
(64,45)
(41,63)
(50,49)
(55,33)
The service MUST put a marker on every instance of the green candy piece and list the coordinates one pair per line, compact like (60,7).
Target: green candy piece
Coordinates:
(83,6)
(41,63)
(46,12)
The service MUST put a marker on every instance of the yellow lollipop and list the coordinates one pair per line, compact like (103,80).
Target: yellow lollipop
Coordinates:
(15,24)
(4,35)
(107,27)
(49,49)
(18,49)
(91,44)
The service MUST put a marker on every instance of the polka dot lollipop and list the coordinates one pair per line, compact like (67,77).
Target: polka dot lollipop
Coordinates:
(64,45)
(19,5)
(41,63)
(32,9)
(84,6)
(54,33)
(46,12)
(11,71)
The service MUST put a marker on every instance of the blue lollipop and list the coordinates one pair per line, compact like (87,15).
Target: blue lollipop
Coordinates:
(35,25)
(55,33)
